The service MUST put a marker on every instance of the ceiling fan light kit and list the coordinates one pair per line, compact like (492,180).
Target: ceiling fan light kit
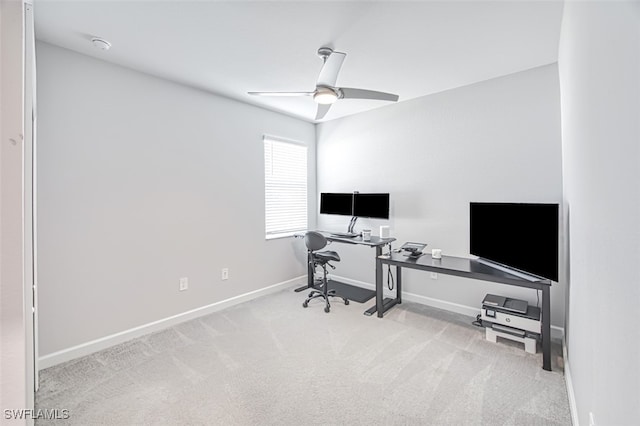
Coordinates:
(325,96)
(326,93)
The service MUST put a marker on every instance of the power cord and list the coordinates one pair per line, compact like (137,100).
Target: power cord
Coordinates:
(478,321)
(390,280)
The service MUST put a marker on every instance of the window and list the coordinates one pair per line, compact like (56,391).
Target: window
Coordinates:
(285,187)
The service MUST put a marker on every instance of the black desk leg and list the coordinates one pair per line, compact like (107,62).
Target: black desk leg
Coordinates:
(382,305)
(379,291)
(398,283)
(546,328)
(309,275)
(379,306)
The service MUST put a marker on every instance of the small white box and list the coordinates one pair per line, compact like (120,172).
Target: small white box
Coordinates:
(384,231)
(529,343)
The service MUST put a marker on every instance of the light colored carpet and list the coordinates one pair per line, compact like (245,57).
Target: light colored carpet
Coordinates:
(271,362)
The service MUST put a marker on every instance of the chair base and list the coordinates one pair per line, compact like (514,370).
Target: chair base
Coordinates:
(314,294)
(325,293)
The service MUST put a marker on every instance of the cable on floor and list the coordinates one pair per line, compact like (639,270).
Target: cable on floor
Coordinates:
(478,321)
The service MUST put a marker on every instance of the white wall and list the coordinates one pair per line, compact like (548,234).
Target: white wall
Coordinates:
(600,87)
(141,182)
(497,140)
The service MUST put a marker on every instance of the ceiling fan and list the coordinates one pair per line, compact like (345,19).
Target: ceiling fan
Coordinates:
(326,93)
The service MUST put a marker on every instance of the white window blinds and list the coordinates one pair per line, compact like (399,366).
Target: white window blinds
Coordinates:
(285,187)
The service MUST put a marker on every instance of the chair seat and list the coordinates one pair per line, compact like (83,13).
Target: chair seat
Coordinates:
(327,256)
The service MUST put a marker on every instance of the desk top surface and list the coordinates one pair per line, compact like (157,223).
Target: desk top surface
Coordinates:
(460,266)
(374,242)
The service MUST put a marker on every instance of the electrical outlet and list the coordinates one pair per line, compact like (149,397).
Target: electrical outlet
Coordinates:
(434,275)
(225,273)
(184,284)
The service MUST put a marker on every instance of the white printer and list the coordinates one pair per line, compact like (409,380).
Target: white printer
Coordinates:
(511,319)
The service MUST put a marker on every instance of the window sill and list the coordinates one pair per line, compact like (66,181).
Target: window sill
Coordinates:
(283,235)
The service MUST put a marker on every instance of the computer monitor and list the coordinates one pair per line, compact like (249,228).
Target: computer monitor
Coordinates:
(371,205)
(336,203)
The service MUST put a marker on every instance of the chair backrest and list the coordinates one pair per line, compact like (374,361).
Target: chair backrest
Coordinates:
(315,240)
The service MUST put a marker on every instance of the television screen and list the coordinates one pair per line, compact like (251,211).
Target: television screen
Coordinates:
(523,236)
(371,205)
(336,203)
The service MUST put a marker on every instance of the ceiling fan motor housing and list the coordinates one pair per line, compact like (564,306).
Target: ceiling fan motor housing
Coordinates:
(325,52)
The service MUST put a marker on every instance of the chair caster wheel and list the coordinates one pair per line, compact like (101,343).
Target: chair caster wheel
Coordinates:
(305,304)
(326,309)
(346,302)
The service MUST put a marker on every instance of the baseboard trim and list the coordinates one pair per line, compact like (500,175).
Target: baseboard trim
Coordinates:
(557,333)
(96,345)
(573,407)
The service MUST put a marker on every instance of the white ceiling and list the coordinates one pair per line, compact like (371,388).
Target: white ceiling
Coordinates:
(412,49)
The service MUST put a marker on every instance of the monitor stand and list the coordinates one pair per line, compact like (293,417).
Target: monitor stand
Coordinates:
(351,225)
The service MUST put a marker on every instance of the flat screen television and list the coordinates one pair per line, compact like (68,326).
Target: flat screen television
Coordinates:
(336,203)
(371,205)
(522,236)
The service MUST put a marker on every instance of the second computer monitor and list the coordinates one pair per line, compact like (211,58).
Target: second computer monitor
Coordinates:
(371,205)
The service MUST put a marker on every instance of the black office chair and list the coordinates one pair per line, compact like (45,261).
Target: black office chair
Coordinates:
(316,241)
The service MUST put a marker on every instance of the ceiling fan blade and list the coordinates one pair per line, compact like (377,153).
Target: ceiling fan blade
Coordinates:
(281,93)
(329,72)
(322,110)
(348,93)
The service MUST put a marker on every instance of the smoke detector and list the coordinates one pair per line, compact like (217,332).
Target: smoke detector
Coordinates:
(101,43)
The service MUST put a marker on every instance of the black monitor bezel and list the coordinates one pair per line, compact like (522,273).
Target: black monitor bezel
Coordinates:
(324,198)
(362,211)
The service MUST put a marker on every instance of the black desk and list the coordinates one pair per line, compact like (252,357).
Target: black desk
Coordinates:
(462,267)
(376,242)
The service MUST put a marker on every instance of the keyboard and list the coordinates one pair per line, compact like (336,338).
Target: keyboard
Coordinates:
(344,234)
